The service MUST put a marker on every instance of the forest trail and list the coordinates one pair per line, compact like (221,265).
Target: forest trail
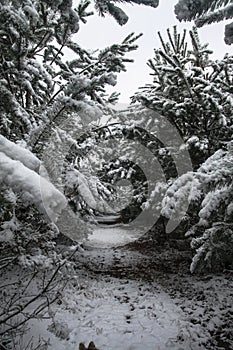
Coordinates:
(125,300)
(116,310)
(116,235)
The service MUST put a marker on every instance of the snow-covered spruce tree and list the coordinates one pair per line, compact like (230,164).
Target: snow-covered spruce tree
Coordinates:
(38,88)
(207,12)
(40,91)
(211,188)
(75,108)
(34,75)
(193,92)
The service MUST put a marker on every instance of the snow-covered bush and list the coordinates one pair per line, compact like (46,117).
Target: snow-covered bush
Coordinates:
(211,188)
(33,291)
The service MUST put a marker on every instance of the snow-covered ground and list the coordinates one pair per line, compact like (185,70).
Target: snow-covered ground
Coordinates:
(111,236)
(116,313)
(122,301)
(119,314)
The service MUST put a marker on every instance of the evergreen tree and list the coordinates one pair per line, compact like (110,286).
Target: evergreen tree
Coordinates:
(193,92)
(38,88)
(195,95)
(207,12)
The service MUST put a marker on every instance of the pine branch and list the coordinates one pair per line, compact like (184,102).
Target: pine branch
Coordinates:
(215,16)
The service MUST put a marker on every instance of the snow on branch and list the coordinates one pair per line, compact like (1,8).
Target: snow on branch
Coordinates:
(17,152)
(18,168)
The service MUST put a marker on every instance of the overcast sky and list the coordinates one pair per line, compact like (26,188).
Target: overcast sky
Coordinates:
(101,32)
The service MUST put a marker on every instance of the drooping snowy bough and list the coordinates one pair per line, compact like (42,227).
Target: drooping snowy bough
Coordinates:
(211,187)
(19,169)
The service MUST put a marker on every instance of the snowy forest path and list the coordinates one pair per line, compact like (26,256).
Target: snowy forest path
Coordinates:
(106,236)
(116,308)
(132,300)
(127,299)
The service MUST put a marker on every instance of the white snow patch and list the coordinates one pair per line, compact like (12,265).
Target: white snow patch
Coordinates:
(113,236)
